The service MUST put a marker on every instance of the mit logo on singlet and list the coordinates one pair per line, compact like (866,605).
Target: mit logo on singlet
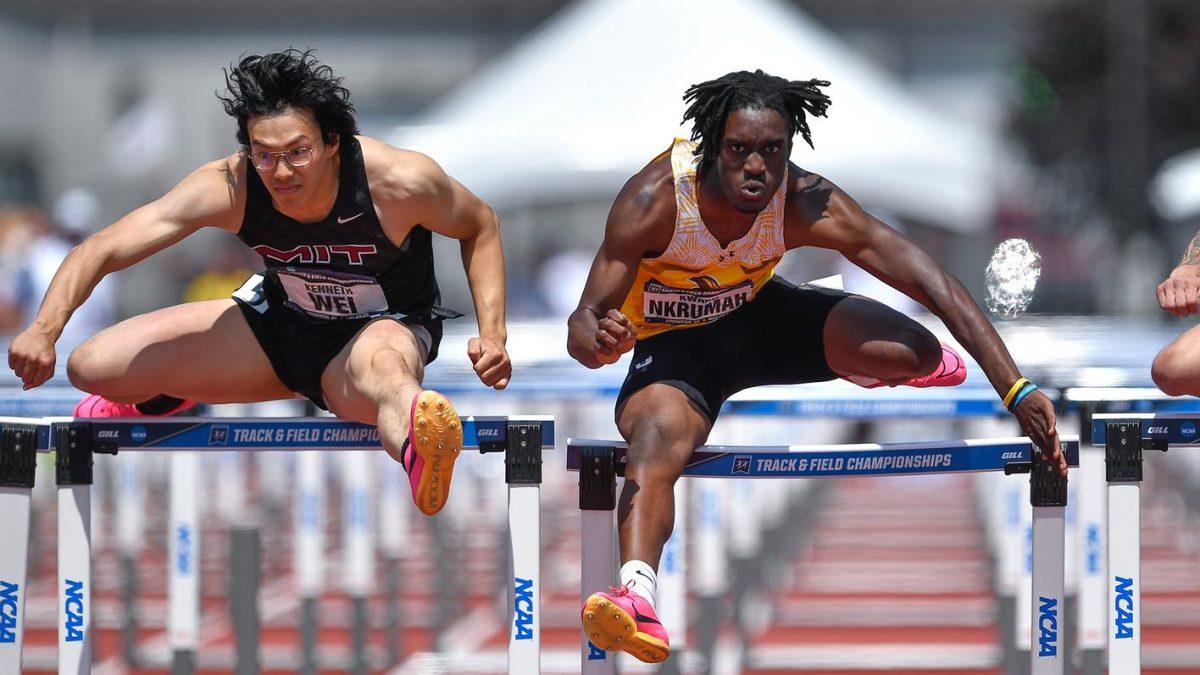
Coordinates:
(319,253)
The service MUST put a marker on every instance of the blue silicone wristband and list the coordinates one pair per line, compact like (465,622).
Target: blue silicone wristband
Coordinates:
(1025,391)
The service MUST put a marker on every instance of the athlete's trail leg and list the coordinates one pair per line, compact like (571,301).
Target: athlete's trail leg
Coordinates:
(199,350)
(867,338)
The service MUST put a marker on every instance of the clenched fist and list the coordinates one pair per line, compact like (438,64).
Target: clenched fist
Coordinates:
(31,356)
(490,361)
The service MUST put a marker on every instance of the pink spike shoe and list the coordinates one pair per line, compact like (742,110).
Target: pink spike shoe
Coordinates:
(951,372)
(95,405)
(623,620)
(434,440)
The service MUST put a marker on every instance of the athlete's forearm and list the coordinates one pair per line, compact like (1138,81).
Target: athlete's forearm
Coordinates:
(953,304)
(74,281)
(483,260)
(1191,256)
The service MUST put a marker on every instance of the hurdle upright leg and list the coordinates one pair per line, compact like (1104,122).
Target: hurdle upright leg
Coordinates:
(183,563)
(309,552)
(74,478)
(1123,457)
(523,473)
(1048,497)
(597,504)
(18,464)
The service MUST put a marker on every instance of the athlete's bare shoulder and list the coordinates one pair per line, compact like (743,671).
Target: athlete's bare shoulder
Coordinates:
(643,215)
(214,195)
(395,174)
(816,207)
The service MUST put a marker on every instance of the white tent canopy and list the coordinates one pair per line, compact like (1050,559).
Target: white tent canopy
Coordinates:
(588,99)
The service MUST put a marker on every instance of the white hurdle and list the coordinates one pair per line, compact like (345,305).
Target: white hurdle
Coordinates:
(18,462)
(183,564)
(599,462)
(522,439)
(1124,437)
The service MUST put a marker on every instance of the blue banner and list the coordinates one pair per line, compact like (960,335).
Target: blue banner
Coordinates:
(886,460)
(1175,430)
(300,433)
(849,408)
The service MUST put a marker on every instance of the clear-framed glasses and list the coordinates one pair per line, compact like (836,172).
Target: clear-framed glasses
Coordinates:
(296,157)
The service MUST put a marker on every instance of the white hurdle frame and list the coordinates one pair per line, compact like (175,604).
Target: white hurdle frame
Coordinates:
(598,462)
(18,464)
(522,439)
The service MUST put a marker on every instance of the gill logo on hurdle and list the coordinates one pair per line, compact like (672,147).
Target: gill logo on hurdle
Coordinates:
(9,596)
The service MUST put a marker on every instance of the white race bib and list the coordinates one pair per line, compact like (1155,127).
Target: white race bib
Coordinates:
(332,295)
(691,306)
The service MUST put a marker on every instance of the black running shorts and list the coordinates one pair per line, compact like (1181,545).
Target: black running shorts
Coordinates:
(777,338)
(300,348)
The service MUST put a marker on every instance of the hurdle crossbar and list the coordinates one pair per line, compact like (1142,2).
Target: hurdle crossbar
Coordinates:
(863,459)
(599,462)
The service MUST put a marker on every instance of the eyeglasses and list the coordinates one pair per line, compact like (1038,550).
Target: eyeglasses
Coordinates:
(296,157)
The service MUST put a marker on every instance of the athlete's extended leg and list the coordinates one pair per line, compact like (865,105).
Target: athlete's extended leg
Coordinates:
(1176,368)
(663,427)
(199,350)
(864,338)
(376,379)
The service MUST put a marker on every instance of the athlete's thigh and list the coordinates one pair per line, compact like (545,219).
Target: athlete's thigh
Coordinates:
(1182,356)
(372,366)
(199,350)
(859,330)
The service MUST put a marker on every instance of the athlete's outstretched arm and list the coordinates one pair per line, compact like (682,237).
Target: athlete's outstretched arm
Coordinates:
(1180,293)
(822,215)
(443,205)
(206,198)
(597,332)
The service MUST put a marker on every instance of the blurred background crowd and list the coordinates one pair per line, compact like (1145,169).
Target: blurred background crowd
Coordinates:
(1072,123)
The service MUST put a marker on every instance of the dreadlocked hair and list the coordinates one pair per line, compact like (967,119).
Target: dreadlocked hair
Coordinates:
(711,102)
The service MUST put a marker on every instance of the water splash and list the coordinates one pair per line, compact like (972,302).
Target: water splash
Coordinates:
(1012,276)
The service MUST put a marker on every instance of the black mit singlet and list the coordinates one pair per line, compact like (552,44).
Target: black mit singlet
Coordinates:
(324,281)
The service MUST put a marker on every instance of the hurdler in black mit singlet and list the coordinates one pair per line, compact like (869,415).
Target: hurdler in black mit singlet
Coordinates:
(324,281)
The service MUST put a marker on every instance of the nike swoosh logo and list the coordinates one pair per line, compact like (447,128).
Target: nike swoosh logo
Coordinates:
(342,221)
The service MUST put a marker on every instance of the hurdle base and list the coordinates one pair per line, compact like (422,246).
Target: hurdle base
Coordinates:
(1092,662)
(308,636)
(183,662)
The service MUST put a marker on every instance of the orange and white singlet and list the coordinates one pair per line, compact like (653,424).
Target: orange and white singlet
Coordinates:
(696,281)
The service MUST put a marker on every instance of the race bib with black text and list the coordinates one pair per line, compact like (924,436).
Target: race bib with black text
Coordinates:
(327,294)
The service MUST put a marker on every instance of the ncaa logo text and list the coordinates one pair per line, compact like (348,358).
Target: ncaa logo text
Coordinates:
(523,608)
(1048,626)
(8,611)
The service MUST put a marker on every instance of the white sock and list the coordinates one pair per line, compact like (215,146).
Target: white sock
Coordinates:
(643,578)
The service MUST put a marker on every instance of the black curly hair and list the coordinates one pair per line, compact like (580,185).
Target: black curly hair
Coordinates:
(712,101)
(272,83)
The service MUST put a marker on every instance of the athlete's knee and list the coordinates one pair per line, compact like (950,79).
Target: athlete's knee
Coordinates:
(925,352)
(88,370)
(929,352)
(658,450)
(1171,373)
